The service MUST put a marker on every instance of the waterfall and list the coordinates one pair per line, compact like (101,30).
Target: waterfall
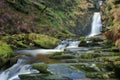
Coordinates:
(96,22)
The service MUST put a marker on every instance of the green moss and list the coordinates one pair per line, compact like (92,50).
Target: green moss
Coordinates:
(85,68)
(6,53)
(41,67)
(31,40)
(42,77)
(33,76)
(44,40)
(21,44)
(62,55)
(82,38)
(101,75)
(5,50)
(90,56)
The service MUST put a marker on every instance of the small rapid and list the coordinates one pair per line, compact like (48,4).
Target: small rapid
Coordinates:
(21,67)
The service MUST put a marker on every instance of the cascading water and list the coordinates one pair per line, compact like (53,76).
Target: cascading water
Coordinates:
(73,44)
(21,68)
(96,22)
(17,69)
(63,44)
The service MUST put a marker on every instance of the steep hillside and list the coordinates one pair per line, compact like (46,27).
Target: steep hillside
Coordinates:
(111,20)
(53,17)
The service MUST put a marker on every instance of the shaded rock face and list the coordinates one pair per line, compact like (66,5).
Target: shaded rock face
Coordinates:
(45,16)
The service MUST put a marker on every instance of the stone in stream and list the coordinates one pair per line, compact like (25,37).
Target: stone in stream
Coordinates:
(42,77)
(65,70)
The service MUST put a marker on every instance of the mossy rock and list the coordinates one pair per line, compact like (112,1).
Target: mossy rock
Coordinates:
(101,75)
(61,55)
(85,68)
(82,38)
(5,50)
(83,43)
(90,55)
(117,44)
(117,69)
(5,53)
(31,40)
(41,67)
(6,63)
(96,38)
(32,76)
(42,77)
(44,40)
(113,65)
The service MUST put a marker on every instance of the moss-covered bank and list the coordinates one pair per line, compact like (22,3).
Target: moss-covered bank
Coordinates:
(31,40)
(5,55)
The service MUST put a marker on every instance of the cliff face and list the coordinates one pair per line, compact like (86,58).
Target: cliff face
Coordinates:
(46,17)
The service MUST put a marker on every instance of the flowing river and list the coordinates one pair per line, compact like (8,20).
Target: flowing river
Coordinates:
(22,68)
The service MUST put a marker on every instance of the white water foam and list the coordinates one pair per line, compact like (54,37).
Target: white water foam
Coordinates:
(60,48)
(96,24)
(100,2)
(19,68)
(73,44)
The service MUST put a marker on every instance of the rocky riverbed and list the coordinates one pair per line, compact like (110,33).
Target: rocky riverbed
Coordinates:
(91,61)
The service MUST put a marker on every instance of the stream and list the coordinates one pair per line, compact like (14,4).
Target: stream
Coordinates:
(22,68)
(57,67)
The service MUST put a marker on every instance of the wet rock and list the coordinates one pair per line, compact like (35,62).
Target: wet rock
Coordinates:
(61,55)
(92,41)
(32,40)
(43,68)
(90,56)
(5,54)
(42,77)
